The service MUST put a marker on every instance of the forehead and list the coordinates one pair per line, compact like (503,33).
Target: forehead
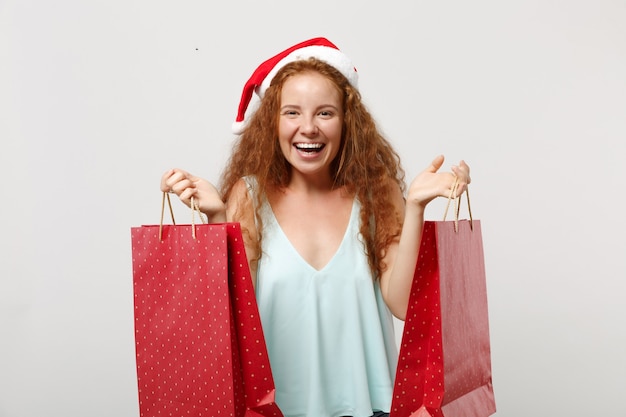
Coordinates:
(312,85)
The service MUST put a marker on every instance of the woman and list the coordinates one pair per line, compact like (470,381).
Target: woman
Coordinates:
(331,240)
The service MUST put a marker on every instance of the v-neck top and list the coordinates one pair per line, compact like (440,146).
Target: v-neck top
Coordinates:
(329,333)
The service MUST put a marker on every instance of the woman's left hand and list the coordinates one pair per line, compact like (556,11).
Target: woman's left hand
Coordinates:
(430,183)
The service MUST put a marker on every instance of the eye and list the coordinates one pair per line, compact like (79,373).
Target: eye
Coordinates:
(326,113)
(289,112)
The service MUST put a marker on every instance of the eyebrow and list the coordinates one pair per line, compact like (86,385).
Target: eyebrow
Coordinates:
(323,106)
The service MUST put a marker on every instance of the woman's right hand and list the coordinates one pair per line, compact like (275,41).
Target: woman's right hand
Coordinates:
(205,195)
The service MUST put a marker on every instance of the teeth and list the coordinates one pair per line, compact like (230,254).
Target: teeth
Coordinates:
(309,145)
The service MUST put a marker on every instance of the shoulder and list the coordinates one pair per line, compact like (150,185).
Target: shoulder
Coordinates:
(397,195)
(390,191)
(240,209)
(239,202)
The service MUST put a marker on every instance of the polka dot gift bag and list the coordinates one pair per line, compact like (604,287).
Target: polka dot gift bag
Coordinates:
(199,344)
(444,364)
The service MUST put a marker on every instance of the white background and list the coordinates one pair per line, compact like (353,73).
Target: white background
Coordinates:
(99,98)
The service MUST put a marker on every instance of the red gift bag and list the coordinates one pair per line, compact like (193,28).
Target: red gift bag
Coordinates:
(444,364)
(200,349)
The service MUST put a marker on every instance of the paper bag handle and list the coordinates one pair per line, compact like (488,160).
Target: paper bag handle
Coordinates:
(194,208)
(457,205)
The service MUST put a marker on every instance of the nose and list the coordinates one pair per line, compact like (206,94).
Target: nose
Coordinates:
(308,126)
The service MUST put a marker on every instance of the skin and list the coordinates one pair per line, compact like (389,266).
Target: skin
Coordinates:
(312,212)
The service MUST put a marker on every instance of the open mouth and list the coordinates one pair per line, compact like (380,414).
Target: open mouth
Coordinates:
(309,148)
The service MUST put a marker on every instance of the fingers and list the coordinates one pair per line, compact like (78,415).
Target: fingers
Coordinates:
(436,164)
(178,182)
(463,171)
(431,183)
(462,174)
(164,187)
(460,171)
(186,194)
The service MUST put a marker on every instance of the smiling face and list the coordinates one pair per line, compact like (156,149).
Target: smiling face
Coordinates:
(310,124)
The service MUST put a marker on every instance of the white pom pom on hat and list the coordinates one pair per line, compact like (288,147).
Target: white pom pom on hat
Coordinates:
(320,48)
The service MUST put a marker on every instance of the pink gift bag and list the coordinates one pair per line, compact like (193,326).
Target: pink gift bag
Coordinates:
(444,365)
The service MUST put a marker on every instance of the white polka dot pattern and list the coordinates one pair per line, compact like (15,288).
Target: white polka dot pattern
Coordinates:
(199,344)
(444,364)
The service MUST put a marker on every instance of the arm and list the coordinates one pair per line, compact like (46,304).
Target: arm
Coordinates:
(239,207)
(401,256)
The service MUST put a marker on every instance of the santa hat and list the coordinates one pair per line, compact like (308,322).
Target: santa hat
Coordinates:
(320,48)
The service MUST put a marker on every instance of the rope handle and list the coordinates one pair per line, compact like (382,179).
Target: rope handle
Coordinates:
(457,205)
(194,208)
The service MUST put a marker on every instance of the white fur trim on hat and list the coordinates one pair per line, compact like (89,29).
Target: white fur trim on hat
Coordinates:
(331,56)
(261,79)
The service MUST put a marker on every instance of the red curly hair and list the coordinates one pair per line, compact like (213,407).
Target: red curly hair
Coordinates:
(366,165)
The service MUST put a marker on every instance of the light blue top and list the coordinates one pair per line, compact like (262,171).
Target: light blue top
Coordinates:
(329,333)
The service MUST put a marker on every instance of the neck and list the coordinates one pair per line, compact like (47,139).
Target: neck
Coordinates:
(311,184)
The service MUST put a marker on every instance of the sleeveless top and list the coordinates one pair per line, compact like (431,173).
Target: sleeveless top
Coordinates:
(329,333)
